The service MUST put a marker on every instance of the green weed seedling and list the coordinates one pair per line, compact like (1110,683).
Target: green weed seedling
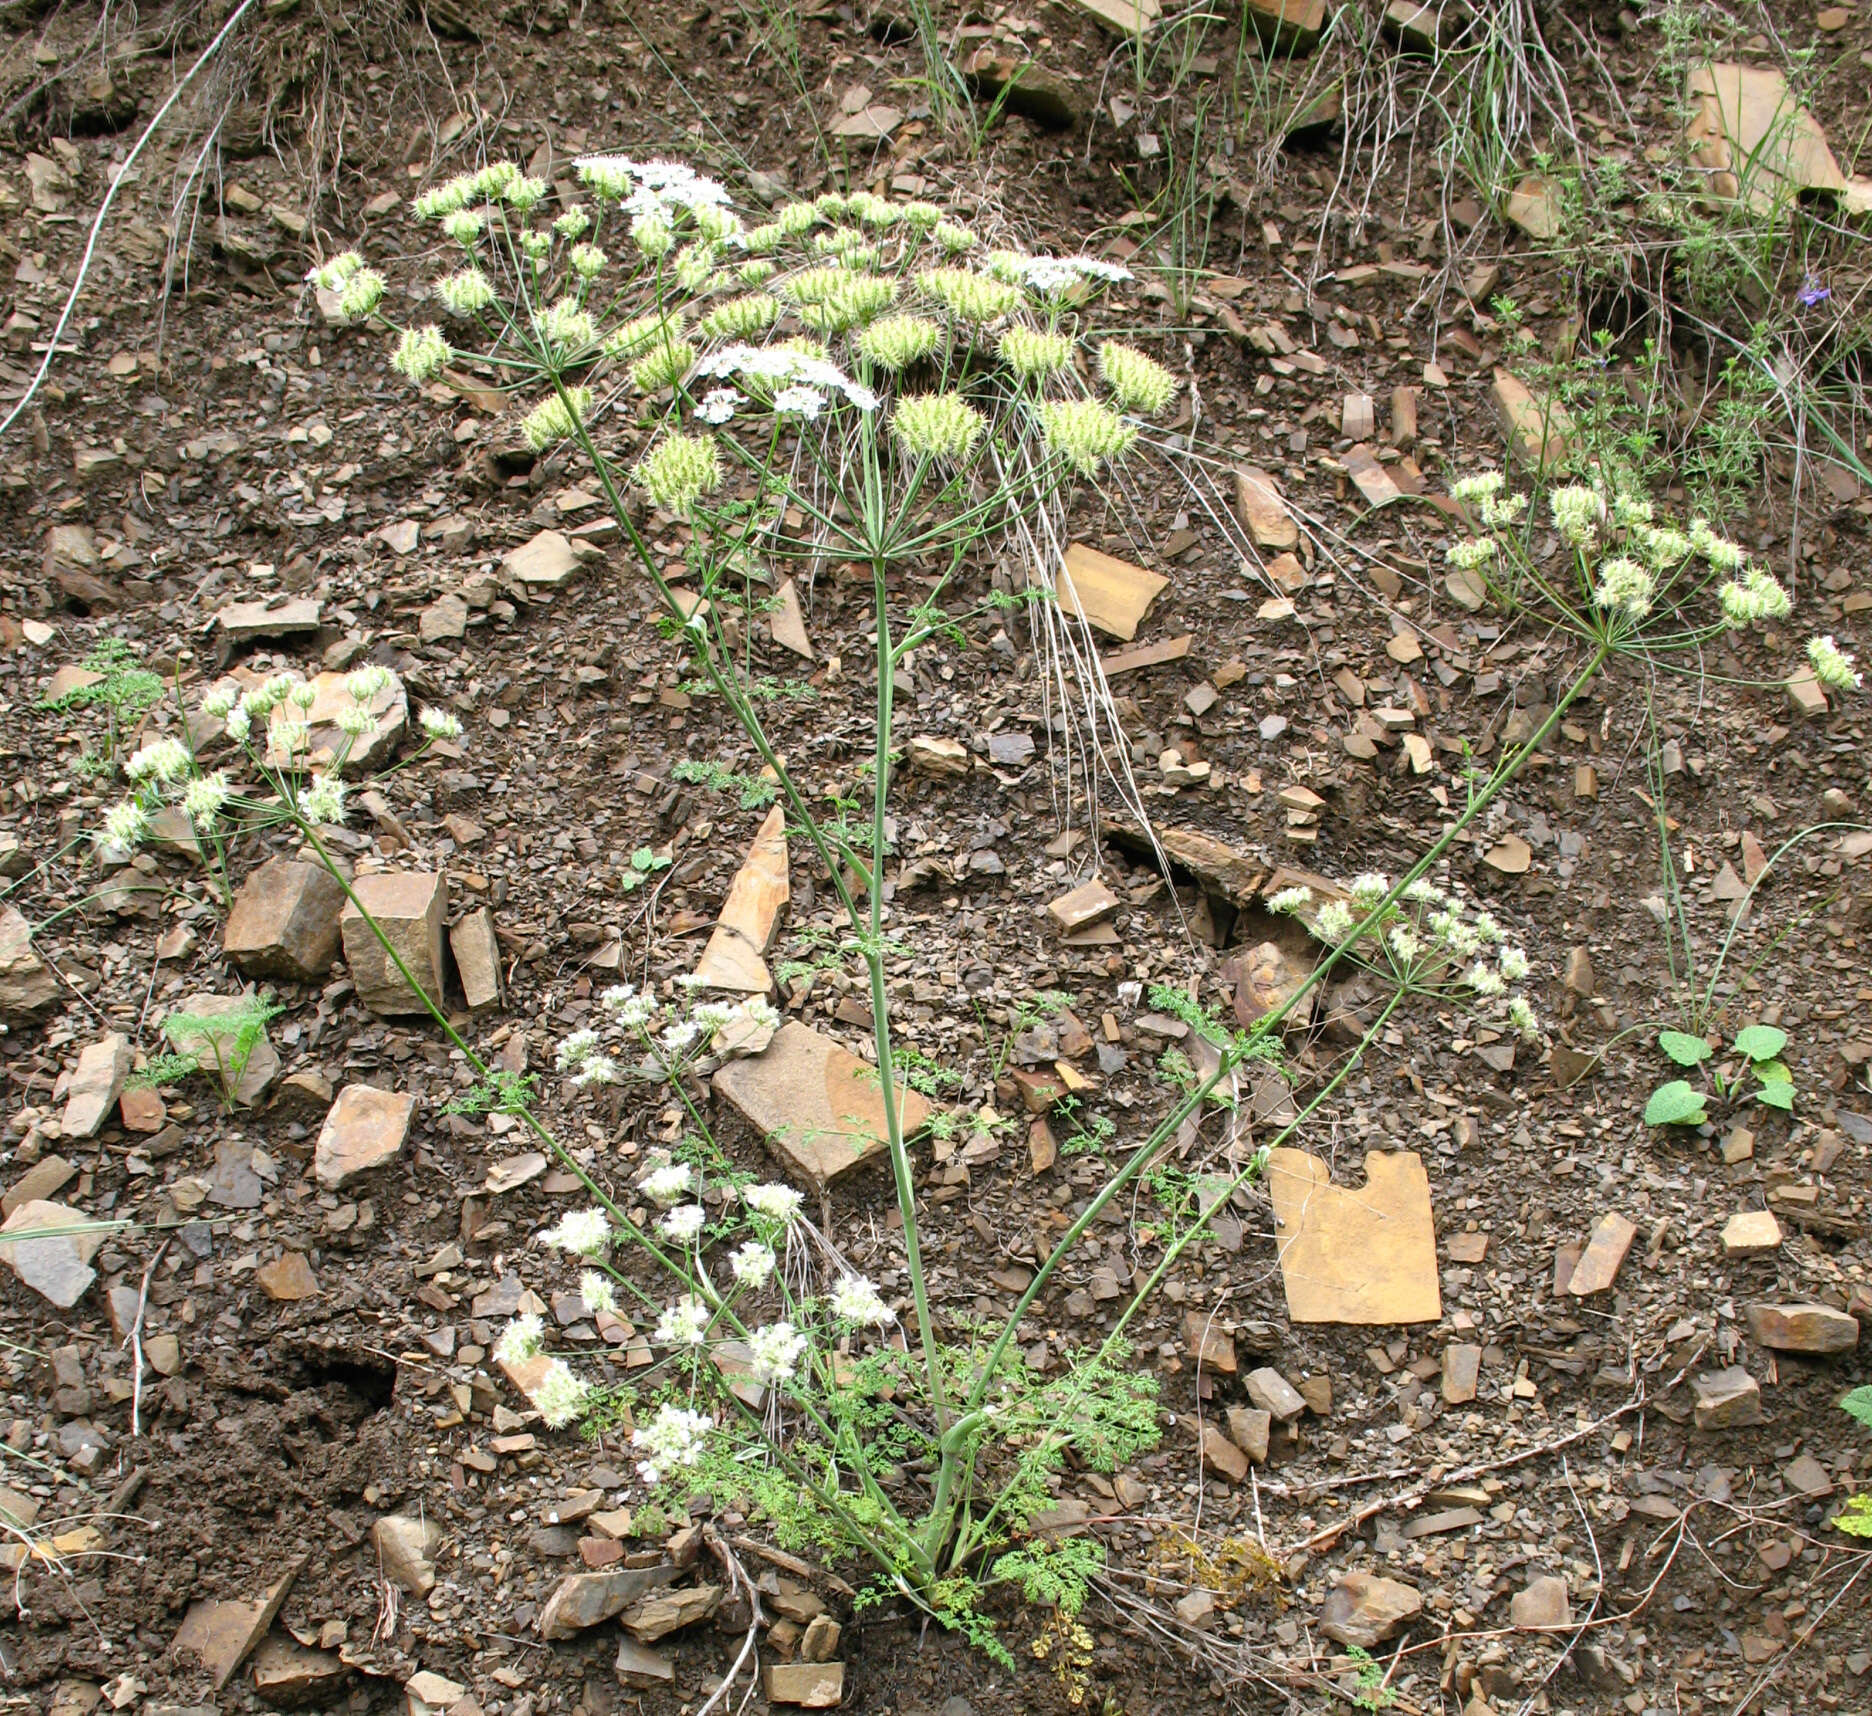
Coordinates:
(1680,1103)
(218,1044)
(643,865)
(1855,1518)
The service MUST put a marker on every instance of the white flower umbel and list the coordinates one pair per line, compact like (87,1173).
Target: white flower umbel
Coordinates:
(1832,666)
(775,1353)
(775,1202)
(597,1293)
(322,801)
(856,1300)
(1290,899)
(1521,1016)
(684,1324)
(366,684)
(584,1233)
(775,366)
(669,1184)
(681,1225)
(751,1263)
(205,797)
(718,405)
(521,1339)
(631,1007)
(559,1395)
(674,1437)
(576,1050)
(440,724)
(125,825)
(598,1069)
(162,761)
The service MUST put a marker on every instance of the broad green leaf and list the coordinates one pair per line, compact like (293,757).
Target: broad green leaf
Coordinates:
(1760,1042)
(1859,1404)
(1774,1072)
(1776,1096)
(1684,1049)
(1675,1104)
(1855,1518)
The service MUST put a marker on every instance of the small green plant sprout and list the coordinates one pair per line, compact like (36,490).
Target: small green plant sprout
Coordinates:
(118,683)
(755,792)
(1855,1518)
(644,863)
(219,1044)
(1370,1690)
(1680,1103)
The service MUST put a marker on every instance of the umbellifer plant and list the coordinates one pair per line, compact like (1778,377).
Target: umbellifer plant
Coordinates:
(861,381)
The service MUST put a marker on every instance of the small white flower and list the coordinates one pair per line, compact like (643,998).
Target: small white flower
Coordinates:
(239,722)
(597,1293)
(353,719)
(440,724)
(1290,900)
(1404,941)
(775,1352)
(521,1339)
(322,800)
(776,1202)
(559,1395)
(804,401)
(674,1437)
(1367,890)
(752,1263)
(217,703)
(683,1223)
(669,1184)
(1485,980)
(586,1233)
(719,404)
(682,1035)
(205,796)
(597,1069)
(162,760)
(576,1049)
(1514,964)
(856,1300)
(125,825)
(1334,922)
(367,684)
(1521,1016)
(684,1324)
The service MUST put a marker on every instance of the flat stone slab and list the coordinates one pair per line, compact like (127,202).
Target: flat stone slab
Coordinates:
(1361,1255)
(220,1634)
(272,617)
(477,959)
(735,956)
(1598,1266)
(820,1108)
(27,986)
(57,1264)
(364,1130)
(584,1600)
(1802,1328)
(1365,1610)
(547,560)
(1107,593)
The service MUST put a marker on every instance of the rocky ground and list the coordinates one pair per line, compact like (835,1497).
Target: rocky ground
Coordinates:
(1586,1453)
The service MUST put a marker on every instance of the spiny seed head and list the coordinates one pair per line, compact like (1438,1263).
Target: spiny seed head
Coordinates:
(556,418)
(1758,596)
(716,224)
(679,471)
(632,339)
(361,294)
(948,236)
(1477,488)
(763,240)
(1033,355)
(331,276)
(663,366)
(1477,551)
(941,426)
(1626,587)
(1139,383)
(1084,432)
(466,292)
(1832,666)
(1577,512)
(568,326)
(652,233)
(535,246)
(420,353)
(831,300)
(574,223)
(755,273)
(587,261)
(740,318)
(969,296)
(695,266)
(462,225)
(895,342)
(872,210)
(795,220)
(829,206)
(522,193)
(920,217)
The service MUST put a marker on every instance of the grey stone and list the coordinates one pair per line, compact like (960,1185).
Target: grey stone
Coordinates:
(1543,1603)
(268,617)
(669,1611)
(639,1665)
(1274,1394)
(583,1600)
(285,921)
(57,1264)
